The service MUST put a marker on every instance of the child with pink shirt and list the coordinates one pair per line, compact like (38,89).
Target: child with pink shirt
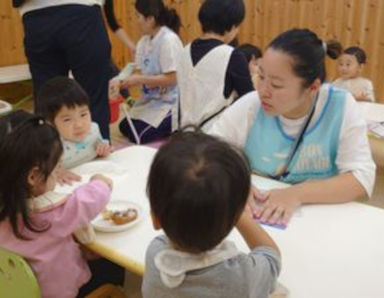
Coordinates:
(36,222)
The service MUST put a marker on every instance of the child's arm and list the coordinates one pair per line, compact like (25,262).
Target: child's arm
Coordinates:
(83,204)
(103,149)
(65,176)
(252,233)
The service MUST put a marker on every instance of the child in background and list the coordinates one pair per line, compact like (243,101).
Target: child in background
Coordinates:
(351,64)
(36,222)
(65,104)
(253,55)
(198,188)
(155,115)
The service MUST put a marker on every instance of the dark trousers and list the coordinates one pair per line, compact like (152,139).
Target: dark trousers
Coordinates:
(103,272)
(71,37)
(146,132)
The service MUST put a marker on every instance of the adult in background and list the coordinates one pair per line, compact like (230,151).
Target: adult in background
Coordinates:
(211,74)
(64,35)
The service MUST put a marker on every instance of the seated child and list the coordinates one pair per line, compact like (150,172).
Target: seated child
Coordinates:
(155,114)
(198,188)
(351,64)
(65,104)
(253,55)
(36,222)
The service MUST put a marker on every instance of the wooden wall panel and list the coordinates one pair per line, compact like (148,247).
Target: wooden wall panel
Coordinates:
(353,22)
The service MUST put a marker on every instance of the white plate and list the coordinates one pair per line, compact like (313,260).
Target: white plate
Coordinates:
(103,225)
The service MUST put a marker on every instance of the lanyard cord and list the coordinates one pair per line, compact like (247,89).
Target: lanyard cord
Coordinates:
(284,171)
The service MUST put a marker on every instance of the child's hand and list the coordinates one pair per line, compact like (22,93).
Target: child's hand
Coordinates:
(360,96)
(103,178)
(132,80)
(103,149)
(65,176)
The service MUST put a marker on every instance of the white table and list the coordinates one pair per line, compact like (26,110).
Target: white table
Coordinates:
(374,112)
(328,251)
(14,73)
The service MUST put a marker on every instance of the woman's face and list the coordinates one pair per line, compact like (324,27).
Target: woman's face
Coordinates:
(281,90)
(146,24)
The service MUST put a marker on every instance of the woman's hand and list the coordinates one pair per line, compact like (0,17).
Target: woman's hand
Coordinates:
(277,206)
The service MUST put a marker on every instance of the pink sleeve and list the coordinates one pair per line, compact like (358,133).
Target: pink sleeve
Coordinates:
(86,202)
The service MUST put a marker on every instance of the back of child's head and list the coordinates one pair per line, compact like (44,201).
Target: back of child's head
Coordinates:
(163,15)
(198,187)
(57,93)
(358,53)
(30,144)
(220,16)
(250,51)
(11,120)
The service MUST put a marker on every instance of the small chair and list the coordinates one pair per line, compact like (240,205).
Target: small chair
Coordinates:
(17,279)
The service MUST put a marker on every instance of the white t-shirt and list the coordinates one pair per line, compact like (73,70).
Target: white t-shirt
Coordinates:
(353,155)
(155,56)
(170,48)
(31,5)
(356,86)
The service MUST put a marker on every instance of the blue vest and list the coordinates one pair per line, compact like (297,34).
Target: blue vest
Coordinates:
(268,146)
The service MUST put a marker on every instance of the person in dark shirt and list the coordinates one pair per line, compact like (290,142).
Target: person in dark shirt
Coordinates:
(221,72)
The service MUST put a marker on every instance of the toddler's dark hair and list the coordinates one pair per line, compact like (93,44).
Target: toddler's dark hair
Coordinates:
(358,53)
(250,51)
(57,93)
(31,142)
(198,186)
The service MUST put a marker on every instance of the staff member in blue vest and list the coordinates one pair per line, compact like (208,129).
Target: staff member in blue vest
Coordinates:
(300,130)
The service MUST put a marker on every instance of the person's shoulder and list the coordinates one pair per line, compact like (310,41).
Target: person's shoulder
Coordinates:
(157,244)
(145,39)
(365,81)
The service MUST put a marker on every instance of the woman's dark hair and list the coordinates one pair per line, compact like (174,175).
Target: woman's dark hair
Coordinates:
(308,53)
(163,15)
(250,51)
(219,16)
(31,143)
(358,53)
(198,187)
(57,93)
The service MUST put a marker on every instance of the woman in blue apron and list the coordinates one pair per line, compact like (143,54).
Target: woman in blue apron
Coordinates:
(300,130)
(154,115)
